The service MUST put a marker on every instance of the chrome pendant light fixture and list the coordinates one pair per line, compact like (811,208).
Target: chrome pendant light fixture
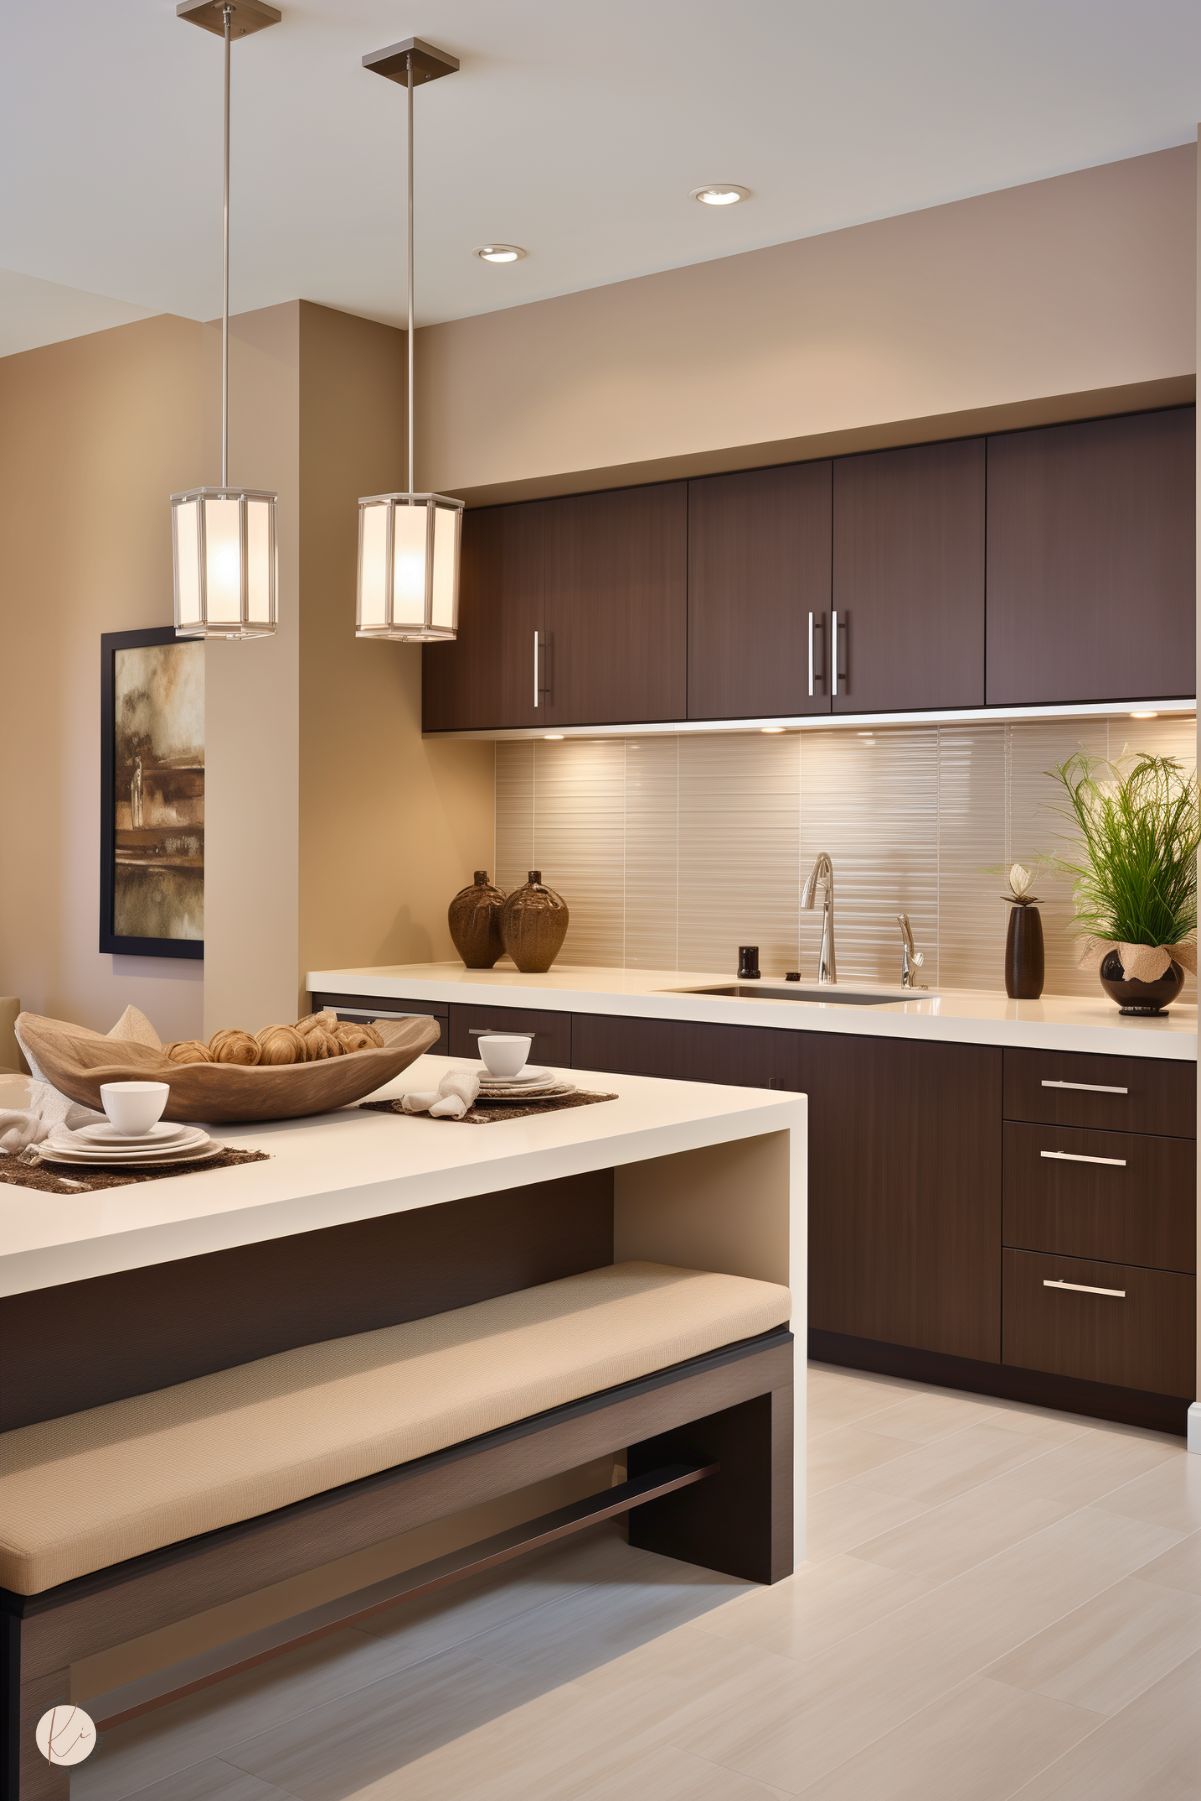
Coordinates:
(408,586)
(224,538)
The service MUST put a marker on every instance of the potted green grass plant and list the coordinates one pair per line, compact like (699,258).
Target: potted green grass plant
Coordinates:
(1135,874)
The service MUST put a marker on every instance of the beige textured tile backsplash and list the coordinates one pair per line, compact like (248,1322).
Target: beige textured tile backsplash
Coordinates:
(671,851)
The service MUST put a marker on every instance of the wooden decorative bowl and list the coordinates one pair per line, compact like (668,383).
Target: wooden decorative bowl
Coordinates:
(223,1093)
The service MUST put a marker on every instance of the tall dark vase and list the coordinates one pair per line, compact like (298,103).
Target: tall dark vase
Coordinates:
(1024,955)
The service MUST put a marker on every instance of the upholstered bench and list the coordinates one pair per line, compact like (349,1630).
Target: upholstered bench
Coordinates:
(120,1519)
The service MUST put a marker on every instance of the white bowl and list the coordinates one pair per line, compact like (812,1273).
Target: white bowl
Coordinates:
(506,1053)
(134,1107)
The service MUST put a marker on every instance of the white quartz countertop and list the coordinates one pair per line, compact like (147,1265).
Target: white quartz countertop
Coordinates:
(354,1165)
(963,1016)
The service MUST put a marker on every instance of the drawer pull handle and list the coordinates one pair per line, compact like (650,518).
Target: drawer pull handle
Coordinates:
(500,1032)
(1115,1294)
(1079,1157)
(1087,1087)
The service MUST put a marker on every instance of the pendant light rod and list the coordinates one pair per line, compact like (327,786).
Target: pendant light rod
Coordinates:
(227,14)
(409,256)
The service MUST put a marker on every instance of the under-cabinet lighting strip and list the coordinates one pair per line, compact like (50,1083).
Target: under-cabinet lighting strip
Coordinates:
(838,721)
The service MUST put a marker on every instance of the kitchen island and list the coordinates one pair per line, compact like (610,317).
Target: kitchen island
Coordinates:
(359,1219)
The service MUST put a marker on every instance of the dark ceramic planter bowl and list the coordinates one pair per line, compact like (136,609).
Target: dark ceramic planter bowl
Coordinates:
(1140,998)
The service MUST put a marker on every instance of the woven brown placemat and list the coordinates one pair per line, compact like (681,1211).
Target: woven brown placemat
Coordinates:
(63,1179)
(486,1113)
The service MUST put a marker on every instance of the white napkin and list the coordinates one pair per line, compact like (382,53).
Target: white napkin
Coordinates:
(36,1114)
(453,1096)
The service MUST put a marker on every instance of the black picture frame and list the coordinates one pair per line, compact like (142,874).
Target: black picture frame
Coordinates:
(111,941)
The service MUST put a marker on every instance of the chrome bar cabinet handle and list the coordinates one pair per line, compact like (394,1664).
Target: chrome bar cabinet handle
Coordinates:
(1113,1294)
(834,651)
(537,660)
(1079,1157)
(1086,1087)
(811,673)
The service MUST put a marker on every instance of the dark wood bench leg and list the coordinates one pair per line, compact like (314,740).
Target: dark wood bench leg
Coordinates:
(740,1520)
(24,1773)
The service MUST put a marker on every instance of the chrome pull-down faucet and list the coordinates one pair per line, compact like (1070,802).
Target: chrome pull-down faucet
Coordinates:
(910,959)
(823,873)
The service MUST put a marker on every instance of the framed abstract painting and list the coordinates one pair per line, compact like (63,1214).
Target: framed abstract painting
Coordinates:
(151,794)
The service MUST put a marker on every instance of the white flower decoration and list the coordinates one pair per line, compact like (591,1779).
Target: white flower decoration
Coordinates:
(1019,880)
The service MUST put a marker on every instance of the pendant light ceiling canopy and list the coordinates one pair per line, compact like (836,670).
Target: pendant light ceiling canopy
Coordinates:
(224,537)
(408,585)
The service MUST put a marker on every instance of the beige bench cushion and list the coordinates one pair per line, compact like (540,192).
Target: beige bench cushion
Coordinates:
(94,1488)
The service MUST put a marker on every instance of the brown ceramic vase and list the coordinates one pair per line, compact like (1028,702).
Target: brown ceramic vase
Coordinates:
(474,920)
(533,925)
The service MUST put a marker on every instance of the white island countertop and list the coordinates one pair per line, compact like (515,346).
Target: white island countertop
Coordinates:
(355,1165)
(956,1015)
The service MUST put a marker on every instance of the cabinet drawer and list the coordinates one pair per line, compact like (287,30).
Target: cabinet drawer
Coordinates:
(1112,1323)
(1126,1197)
(1111,1094)
(364,1006)
(551,1032)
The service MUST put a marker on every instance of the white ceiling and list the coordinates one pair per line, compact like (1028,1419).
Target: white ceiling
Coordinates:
(576,130)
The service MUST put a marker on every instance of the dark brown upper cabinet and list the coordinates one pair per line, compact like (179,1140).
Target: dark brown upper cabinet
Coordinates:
(1091,561)
(617,607)
(485,679)
(571,612)
(759,593)
(909,579)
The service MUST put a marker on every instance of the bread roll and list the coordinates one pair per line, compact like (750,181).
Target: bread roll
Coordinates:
(187,1050)
(353,1035)
(234,1046)
(319,1044)
(281,1044)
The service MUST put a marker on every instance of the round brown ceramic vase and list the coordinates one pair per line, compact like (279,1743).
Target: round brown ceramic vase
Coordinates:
(533,924)
(1140,997)
(474,919)
(1024,957)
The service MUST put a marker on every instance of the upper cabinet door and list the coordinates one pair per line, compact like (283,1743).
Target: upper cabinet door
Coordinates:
(759,593)
(617,607)
(909,579)
(485,679)
(1091,570)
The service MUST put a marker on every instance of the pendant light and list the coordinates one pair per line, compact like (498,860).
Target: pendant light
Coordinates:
(408,586)
(224,538)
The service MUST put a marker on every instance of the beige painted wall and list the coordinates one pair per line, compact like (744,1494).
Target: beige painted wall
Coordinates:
(95,434)
(1056,288)
(333,833)
(252,710)
(391,824)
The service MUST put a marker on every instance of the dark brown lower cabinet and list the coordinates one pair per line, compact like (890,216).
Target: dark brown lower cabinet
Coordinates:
(904,1167)
(1104,1322)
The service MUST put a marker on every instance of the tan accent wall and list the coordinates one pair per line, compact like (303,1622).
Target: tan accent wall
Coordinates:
(333,833)
(95,434)
(390,824)
(252,709)
(1058,288)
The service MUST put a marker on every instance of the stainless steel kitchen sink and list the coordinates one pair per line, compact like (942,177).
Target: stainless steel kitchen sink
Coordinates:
(831,995)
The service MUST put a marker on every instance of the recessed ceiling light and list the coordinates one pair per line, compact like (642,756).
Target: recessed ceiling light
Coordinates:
(721,193)
(554,737)
(769,730)
(1144,715)
(501,253)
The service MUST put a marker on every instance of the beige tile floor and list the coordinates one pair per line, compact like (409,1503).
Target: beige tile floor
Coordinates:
(998,1602)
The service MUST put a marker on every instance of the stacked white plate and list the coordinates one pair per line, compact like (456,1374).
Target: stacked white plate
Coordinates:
(530,1085)
(102,1145)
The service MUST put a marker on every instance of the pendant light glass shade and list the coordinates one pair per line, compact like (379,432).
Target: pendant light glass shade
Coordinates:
(223,539)
(409,567)
(225,563)
(408,584)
